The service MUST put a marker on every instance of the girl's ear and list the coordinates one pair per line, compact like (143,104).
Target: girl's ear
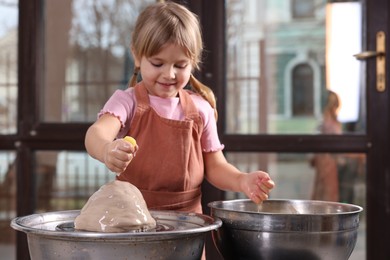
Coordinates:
(137,60)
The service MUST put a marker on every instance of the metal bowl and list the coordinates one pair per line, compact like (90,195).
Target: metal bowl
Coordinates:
(177,236)
(285,229)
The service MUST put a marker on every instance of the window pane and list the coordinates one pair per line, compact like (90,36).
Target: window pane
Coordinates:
(297,176)
(280,69)
(8,65)
(7,204)
(86,55)
(303,8)
(65,179)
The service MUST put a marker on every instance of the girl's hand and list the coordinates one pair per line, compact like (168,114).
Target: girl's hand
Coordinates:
(118,154)
(256,186)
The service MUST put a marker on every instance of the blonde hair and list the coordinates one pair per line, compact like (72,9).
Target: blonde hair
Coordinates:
(169,22)
(332,105)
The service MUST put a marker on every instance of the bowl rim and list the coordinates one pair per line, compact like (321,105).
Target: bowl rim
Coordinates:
(357,209)
(211,223)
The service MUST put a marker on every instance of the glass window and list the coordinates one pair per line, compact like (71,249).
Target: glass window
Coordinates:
(86,56)
(280,71)
(8,65)
(322,176)
(7,204)
(8,114)
(302,88)
(303,9)
(66,179)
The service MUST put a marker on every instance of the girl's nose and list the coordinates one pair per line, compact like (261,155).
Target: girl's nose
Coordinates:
(170,72)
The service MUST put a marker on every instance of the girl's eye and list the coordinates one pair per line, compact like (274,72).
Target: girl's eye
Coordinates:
(156,64)
(181,66)
(159,64)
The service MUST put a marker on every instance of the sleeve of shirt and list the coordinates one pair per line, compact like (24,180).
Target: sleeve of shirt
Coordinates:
(121,105)
(210,140)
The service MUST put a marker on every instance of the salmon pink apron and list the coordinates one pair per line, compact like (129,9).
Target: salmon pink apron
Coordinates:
(168,167)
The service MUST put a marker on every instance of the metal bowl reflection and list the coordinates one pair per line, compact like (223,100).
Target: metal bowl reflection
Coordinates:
(285,229)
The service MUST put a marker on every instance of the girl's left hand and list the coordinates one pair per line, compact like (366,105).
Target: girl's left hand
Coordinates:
(257,185)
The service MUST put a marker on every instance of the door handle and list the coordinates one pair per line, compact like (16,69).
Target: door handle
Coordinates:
(380,60)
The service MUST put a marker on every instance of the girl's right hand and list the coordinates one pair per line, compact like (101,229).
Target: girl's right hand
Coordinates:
(118,154)
(257,185)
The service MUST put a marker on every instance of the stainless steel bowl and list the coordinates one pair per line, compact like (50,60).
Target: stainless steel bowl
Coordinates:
(285,229)
(177,236)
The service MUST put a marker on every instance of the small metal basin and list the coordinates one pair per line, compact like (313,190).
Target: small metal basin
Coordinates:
(285,229)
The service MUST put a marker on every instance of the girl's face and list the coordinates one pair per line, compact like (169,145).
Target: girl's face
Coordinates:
(165,73)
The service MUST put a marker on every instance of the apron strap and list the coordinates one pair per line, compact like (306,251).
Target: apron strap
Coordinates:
(142,97)
(190,110)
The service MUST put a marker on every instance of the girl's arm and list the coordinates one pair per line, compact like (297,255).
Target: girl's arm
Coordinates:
(223,175)
(101,144)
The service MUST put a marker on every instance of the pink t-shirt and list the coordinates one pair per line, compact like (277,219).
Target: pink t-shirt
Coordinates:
(122,105)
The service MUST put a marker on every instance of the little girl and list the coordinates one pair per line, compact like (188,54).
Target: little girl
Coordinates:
(177,140)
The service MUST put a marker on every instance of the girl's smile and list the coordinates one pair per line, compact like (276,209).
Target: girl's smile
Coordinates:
(165,73)
(166,84)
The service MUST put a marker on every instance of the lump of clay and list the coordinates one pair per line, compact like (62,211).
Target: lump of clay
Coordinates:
(117,206)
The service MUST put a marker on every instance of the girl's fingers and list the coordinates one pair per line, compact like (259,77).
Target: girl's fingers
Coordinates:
(261,189)
(258,197)
(267,186)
